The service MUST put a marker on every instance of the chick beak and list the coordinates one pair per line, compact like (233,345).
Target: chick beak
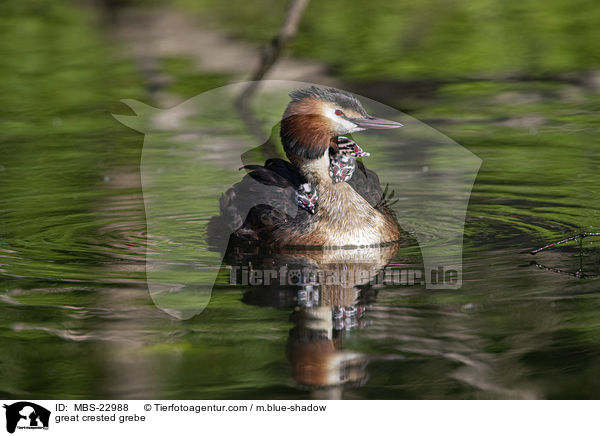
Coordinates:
(369,122)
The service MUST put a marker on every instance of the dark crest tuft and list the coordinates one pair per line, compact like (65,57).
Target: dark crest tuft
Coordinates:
(341,98)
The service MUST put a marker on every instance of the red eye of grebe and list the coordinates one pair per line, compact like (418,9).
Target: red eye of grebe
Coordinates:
(339,113)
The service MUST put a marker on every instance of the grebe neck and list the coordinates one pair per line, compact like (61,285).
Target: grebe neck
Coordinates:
(316,171)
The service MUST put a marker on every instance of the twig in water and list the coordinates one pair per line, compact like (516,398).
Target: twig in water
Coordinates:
(580,236)
(580,274)
(270,55)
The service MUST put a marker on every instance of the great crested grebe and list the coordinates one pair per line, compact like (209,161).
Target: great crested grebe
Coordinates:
(342,209)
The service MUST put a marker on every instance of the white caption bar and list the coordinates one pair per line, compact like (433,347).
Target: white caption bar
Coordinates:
(150,417)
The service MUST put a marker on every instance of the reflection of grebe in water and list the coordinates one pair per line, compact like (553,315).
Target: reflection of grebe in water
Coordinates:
(346,212)
(328,291)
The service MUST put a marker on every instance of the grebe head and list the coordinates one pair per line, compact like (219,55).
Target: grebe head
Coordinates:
(315,117)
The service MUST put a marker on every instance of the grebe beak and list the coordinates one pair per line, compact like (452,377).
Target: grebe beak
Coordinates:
(375,123)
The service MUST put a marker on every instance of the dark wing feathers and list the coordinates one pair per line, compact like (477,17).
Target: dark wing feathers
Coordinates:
(260,201)
(366,183)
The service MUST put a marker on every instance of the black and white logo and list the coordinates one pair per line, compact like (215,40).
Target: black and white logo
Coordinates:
(26,415)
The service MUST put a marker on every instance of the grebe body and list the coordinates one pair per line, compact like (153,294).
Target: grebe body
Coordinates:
(329,208)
